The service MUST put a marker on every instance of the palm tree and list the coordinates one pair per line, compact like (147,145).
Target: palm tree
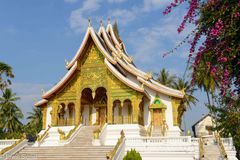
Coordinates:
(205,81)
(10,114)
(35,118)
(7,70)
(165,78)
(188,99)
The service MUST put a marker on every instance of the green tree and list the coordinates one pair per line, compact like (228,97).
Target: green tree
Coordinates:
(205,81)
(10,113)
(227,117)
(35,118)
(5,71)
(165,78)
(189,99)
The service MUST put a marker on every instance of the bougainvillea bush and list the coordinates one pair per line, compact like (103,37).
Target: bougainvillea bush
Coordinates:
(214,54)
(215,41)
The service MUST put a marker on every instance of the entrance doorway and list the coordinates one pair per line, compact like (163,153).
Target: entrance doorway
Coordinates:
(157,117)
(102,115)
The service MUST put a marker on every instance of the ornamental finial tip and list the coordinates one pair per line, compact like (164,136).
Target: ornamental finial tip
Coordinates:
(89,22)
(66,62)
(101,22)
(109,20)
(43,91)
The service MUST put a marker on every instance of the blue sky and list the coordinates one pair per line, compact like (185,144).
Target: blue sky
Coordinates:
(36,36)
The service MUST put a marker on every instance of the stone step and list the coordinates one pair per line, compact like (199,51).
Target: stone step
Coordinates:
(80,148)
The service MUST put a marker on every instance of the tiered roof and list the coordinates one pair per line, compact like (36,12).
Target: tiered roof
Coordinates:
(117,61)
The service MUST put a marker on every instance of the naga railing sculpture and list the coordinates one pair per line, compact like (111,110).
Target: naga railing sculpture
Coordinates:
(118,149)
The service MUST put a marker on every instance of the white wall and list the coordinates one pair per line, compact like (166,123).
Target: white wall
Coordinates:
(147,114)
(200,128)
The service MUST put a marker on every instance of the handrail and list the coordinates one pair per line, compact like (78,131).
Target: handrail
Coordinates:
(66,137)
(110,155)
(73,135)
(96,133)
(41,137)
(201,148)
(149,130)
(6,152)
(221,146)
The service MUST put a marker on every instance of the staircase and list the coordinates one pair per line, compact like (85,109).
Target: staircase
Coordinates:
(211,152)
(211,149)
(80,148)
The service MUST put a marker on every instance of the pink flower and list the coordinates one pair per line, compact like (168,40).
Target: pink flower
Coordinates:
(213,70)
(228,49)
(222,59)
(216,30)
(236,14)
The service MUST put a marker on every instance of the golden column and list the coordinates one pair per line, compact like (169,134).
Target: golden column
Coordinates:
(55,105)
(109,109)
(175,105)
(136,102)
(109,100)
(78,109)
(44,116)
(151,113)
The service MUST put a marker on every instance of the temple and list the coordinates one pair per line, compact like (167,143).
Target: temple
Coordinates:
(105,106)
(103,85)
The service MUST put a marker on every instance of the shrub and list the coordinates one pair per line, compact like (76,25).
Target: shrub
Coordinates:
(132,155)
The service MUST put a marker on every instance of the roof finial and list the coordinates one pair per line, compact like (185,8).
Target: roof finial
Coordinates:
(109,20)
(66,62)
(89,22)
(101,22)
(43,91)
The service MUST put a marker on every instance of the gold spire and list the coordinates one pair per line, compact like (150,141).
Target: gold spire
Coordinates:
(43,91)
(89,22)
(101,22)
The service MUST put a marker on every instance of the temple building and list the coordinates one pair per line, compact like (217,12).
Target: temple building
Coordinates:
(103,85)
(105,106)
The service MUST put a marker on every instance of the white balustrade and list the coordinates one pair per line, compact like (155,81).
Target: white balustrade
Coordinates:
(159,140)
(14,150)
(7,143)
